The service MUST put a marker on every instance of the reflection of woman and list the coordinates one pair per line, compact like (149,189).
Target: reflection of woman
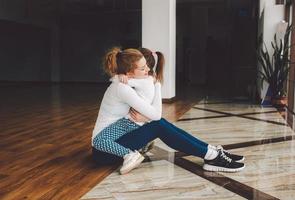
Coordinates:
(116,137)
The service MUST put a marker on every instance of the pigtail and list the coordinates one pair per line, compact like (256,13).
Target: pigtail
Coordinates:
(160,67)
(152,59)
(110,61)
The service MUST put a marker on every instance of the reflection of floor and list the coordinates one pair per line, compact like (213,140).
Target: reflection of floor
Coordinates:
(258,133)
(158,180)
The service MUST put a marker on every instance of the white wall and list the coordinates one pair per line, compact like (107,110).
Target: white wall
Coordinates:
(159,34)
(273,14)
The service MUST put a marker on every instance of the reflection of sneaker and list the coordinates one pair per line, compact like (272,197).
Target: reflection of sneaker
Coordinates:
(147,148)
(234,157)
(131,161)
(222,163)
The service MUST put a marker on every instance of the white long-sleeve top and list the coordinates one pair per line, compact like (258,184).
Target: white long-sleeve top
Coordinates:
(117,101)
(144,87)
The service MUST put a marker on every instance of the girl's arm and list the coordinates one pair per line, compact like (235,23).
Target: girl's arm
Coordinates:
(139,83)
(152,111)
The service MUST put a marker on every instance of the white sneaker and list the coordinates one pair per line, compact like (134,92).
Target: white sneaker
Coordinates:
(131,161)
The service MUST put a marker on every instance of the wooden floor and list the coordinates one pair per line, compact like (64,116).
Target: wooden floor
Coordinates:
(45,139)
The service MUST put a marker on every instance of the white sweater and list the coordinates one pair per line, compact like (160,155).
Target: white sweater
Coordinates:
(117,101)
(144,87)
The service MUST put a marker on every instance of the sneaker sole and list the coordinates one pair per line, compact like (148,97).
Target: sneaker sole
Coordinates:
(213,168)
(137,163)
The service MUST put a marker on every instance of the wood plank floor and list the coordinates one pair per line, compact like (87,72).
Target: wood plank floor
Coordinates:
(45,139)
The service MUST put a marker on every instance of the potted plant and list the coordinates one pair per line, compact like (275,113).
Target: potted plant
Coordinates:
(275,67)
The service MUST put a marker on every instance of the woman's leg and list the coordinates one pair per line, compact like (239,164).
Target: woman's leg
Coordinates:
(173,137)
(105,140)
(103,158)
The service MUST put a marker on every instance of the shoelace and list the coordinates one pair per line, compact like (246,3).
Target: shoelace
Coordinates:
(225,157)
(222,149)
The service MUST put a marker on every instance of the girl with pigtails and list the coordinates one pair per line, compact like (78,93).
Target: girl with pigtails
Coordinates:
(144,86)
(130,116)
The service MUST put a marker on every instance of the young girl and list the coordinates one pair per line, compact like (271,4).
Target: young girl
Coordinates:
(143,83)
(115,137)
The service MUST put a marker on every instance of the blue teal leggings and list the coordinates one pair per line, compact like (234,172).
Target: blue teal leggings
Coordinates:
(171,135)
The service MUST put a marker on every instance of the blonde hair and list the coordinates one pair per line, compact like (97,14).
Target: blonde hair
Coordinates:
(117,61)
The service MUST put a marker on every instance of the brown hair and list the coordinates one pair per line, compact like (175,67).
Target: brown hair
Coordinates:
(117,61)
(150,60)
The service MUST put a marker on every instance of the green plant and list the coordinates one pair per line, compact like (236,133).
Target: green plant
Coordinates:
(275,68)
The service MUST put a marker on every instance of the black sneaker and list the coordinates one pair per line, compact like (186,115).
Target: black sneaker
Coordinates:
(234,157)
(222,163)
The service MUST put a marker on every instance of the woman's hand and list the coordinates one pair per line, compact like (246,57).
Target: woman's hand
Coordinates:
(123,78)
(137,117)
(155,77)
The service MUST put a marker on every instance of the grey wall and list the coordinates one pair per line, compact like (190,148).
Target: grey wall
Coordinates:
(24,52)
(9,10)
(38,43)
(86,39)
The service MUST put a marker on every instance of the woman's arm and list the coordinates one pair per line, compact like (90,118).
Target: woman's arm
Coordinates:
(152,111)
(137,117)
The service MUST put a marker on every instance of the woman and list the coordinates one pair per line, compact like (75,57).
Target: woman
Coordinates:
(115,136)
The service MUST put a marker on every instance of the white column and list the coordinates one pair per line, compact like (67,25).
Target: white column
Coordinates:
(159,34)
(273,14)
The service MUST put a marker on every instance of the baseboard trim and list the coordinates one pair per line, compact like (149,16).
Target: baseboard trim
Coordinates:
(170,100)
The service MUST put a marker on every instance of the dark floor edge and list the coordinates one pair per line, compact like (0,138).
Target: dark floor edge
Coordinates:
(259,142)
(241,116)
(225,115)
(223,181)
(215,103)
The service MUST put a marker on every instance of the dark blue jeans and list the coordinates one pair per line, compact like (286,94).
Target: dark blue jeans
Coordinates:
(171,135)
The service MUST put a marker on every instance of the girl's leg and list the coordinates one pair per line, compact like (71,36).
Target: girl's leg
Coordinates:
(166,123)
(173,137)
(179,140)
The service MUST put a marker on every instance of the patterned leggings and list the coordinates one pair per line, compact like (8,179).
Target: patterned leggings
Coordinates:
(106,140)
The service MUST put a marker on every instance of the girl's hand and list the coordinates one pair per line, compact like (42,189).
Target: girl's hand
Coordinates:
(123,78)
(137,117)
